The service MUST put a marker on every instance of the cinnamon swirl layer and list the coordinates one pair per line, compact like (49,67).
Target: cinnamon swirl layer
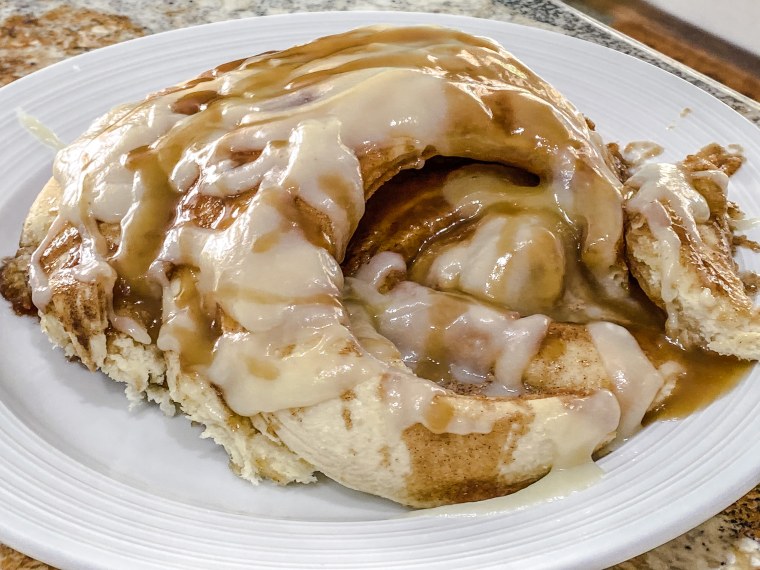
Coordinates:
(195,245)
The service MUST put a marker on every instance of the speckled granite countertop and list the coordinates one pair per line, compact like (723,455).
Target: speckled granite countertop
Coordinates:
(34,34)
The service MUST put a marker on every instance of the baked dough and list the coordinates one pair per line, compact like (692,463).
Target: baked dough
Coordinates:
(680,243)
(189,246)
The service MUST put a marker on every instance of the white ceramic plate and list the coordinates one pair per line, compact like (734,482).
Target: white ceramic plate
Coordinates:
(86,483)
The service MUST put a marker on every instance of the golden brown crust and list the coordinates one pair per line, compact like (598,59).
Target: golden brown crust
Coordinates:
(728,324)
(620,165)
(714,156)
(450,468)
(14,271)
(14,282)
(567,363)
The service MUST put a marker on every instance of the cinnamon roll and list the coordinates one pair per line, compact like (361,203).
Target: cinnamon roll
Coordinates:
(395,256)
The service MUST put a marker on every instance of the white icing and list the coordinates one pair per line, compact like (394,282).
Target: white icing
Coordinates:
(581,427)
(473,188)
(38,278)
(597,209)
(661,188)
(366,333)
(289,366)
(480,341)
(745,224)
(379,267)
(668,184)
(39,130)
(635,379)
(637,153)
(131,327)
(409,400)
(518,247)
(716,176)
(517,261)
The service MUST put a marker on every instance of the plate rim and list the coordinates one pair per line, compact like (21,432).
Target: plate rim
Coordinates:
(345,16)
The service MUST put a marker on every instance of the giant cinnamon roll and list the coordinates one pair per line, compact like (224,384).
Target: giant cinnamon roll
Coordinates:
(395,256)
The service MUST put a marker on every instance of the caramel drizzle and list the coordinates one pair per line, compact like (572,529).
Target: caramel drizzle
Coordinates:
(499,111)
(198,341)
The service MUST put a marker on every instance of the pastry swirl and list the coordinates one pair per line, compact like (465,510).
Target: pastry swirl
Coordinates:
(209,233)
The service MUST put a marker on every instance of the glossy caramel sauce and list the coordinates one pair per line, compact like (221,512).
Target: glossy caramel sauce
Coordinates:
(142,304)
(411,216)
(198,341)
(194,102)
(405,214)
(434,362)
(212,212)
(134,293)
(439,415)
(707,376)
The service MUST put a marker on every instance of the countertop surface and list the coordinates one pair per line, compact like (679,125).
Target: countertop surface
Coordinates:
(34,34)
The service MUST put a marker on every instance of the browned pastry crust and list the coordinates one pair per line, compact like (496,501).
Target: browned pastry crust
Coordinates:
(726,322)
(355,437)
